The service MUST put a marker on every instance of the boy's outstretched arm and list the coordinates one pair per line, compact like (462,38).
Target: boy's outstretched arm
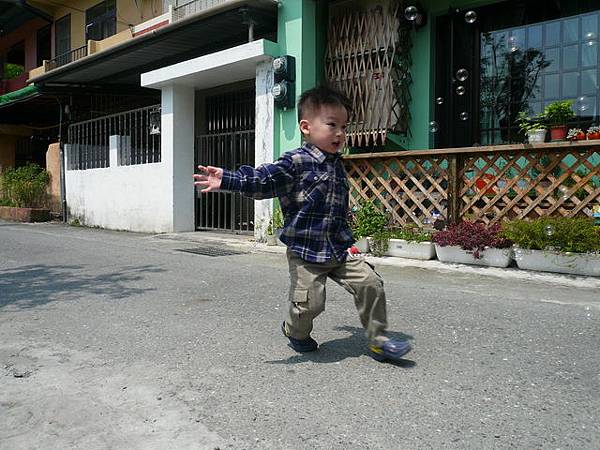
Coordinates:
(265,181)
(209,179)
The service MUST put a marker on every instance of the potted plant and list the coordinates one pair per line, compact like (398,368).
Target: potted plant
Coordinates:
(366,221)
(275,227)
(410,242)
(557,115)
(532,127)
(593,132)
(23,194)
(556,244)
(473,243)
(575,134)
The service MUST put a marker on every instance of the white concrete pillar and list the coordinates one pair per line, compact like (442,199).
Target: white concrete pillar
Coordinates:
(177,153)
(263,141)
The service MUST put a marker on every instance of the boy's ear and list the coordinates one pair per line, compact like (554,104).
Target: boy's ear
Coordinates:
(304,127)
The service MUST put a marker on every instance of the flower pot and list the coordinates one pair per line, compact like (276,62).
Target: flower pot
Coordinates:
(536,136)
(414,250)
(559,262)
(494,257)
(558,133)
(362,245)
(591,136)
(272,240)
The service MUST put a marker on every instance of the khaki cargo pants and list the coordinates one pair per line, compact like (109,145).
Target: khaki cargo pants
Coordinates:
(307,294)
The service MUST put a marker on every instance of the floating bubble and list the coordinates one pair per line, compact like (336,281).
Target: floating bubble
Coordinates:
(470,17)
(549,230)
(462,74)
(439,100)
(433,127)
(411,13)
(563,188)
(582,104)
(460,90)
(590,43)
(464,116)
(513,44)
(590,36)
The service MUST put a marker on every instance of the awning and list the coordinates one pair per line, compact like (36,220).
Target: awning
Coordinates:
(19,95)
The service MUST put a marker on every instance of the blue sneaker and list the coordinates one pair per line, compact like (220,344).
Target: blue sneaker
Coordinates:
(300,345)
(390,350)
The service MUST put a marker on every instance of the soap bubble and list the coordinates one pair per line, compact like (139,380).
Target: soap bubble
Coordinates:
(582,104)
(464,116)
(470,16)
(439,100)
(462,74)
(460,90)
(549,230)
(411,13)
(513,44)
(433,127)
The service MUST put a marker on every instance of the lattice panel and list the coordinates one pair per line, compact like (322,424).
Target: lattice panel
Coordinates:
(411,190)
(530,184)
(364,60)
(491,186)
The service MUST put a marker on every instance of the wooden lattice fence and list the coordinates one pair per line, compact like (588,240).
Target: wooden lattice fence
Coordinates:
(490,184)
(368,58)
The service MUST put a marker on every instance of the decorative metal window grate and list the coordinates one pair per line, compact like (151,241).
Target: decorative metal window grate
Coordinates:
(368,58)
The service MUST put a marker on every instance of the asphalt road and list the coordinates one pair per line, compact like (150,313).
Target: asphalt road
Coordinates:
(120,341)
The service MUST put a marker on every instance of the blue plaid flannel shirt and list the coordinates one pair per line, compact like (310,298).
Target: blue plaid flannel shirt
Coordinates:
(312,188)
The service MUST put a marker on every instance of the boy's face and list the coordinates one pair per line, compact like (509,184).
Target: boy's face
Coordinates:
(326,128)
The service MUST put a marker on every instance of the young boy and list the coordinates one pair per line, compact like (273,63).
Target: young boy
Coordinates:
(312,188)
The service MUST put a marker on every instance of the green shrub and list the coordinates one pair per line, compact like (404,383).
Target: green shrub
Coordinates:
(410,234)
(368,220)
(559,112)
(13,70)
(379,243)
(577,234)
(25,186)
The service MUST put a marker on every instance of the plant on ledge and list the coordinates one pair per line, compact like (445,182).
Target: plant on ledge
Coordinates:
(557,115)
(474,237)
(575,134)
(532,127)
(593,132)
(410,234)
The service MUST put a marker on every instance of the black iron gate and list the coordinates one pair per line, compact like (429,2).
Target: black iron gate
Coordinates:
(229,143)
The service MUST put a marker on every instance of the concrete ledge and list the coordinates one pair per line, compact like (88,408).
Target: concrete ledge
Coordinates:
(24,214)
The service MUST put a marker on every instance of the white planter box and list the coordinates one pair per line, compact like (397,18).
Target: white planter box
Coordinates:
(560,262)
(362,245)
(414,250)
(495,257)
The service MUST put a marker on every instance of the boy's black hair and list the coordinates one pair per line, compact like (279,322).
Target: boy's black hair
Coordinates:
(313,99)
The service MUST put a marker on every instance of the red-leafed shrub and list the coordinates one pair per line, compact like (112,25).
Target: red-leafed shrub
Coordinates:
(472,236)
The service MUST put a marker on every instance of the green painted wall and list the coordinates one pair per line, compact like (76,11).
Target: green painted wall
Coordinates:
(301,33)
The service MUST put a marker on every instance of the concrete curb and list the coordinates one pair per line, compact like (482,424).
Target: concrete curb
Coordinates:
(247,243)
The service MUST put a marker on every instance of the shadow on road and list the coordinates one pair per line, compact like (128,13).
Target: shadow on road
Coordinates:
(29,286)
(352,346)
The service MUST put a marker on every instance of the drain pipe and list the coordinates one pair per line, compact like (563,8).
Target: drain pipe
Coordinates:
(61,152)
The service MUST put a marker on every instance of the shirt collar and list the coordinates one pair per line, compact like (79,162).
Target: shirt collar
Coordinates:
(318,154)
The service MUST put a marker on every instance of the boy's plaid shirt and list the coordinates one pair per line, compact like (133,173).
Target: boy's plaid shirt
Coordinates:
(313,192)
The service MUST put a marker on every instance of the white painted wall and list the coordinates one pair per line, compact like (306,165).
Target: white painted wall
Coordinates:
(134,198)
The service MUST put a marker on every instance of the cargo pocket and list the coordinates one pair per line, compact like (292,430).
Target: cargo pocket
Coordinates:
(299,296)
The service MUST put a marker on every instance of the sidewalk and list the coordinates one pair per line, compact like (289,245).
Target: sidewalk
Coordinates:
(248,243)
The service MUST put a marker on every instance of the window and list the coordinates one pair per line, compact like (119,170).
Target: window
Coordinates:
(101,21)
(517,56)
(526,68)
(44,45)
(62,36)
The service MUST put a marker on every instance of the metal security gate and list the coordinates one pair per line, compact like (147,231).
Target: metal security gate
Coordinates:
(229,143)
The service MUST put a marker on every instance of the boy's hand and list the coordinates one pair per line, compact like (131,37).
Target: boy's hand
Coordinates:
(209,178)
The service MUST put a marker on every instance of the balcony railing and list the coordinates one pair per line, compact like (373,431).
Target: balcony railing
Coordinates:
(68,57)
(195,6)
